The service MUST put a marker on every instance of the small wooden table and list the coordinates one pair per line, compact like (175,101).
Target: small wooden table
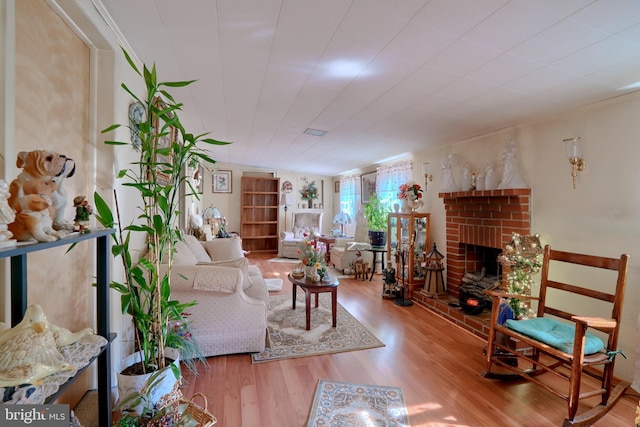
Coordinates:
(328,241)
(310,287)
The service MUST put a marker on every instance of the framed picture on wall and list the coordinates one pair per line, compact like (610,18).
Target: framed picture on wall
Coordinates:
(222,182)
(368,181)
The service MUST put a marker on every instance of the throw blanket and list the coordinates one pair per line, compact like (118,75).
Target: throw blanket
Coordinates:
(221,279)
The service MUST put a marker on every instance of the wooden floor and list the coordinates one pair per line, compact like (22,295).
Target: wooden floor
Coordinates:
(436,363)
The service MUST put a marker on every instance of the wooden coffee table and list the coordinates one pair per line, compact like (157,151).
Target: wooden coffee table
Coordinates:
(310,287)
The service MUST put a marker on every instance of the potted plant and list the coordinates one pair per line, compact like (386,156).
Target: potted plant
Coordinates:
(375,211)
(165,151)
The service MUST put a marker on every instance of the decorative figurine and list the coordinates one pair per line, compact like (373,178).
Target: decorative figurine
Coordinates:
(83,212)
(511,174)
(44,165)
(7,216)
(491,178)
(29,351)
(448,182)
(389,278)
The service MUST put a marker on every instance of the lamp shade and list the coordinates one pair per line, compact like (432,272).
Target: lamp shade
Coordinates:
(425,168)
(285,199)
(342,218)
(211,212)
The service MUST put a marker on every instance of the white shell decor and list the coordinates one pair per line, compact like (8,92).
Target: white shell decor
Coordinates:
(31,350)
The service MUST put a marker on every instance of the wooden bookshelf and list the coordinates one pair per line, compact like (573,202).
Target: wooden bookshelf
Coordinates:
(259,214)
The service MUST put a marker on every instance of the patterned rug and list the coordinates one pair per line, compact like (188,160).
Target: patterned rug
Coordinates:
(290,339)
(286,260)
(346,404)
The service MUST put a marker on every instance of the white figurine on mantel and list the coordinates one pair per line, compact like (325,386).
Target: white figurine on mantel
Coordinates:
(491,177)
(448,182)
(511,174)
(7,216)
(480,181)
(466,177)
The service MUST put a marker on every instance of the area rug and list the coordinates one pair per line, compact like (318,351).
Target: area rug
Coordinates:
(346,404)
(289,338)
(274,285)
(286,260)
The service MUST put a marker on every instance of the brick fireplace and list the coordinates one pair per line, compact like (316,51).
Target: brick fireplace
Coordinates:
(478,225)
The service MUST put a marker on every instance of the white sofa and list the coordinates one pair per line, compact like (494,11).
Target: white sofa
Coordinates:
(303,223)
(232,296)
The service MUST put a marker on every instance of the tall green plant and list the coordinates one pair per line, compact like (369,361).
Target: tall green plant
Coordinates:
(375,211)
(157,176)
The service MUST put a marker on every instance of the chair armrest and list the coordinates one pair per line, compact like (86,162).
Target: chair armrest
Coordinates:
(286,235)
(595,322)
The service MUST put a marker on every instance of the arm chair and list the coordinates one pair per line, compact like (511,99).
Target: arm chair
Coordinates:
(303,223)
(344,251)
(557,342)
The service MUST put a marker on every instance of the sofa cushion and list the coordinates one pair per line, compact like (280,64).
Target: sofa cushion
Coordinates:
(183,256)
(225,249)
(241,263)
(196,248)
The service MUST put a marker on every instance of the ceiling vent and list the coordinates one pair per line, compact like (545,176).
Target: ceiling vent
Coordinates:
(315,132)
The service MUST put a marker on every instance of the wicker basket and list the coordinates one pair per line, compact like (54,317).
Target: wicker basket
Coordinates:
(194,412)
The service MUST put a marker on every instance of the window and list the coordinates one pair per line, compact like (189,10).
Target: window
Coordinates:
(350,200)
(389,178)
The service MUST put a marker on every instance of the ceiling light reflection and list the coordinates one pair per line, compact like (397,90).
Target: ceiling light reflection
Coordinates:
(343,68)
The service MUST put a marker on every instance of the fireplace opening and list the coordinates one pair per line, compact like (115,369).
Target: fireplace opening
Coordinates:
(482,272)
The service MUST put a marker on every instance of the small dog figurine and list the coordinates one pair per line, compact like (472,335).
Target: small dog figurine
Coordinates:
(49,165)
(33,219)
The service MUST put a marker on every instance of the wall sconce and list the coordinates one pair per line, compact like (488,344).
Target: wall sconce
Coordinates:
(573,150)
(427,176)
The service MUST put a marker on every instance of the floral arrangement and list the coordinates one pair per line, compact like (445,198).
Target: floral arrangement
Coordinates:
(410,191)
(309,191)
(309,254)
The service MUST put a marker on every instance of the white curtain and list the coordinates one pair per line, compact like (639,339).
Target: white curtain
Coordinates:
(350,198)
(389,178)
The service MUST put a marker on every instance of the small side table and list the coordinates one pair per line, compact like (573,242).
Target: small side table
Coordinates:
(376,251)
(310,287)
(328,241)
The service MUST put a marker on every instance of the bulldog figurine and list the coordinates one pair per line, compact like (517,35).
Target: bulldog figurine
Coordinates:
(48,165)
(33,220)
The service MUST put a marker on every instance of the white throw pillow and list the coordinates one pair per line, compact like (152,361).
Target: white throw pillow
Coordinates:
(242,264)
(225,249)
(183,256)
(196,248)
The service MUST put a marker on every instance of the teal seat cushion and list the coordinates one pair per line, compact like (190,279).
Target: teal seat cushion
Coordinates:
(554,333)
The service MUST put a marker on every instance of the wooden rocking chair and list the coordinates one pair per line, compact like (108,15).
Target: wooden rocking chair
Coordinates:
(531,356)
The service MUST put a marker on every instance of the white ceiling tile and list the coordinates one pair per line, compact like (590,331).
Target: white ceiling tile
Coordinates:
(558,41)
(598,56)
(464,89)
(515,22)
(444,15)
(542,79)
(504,68)
(610,15)
(464,56)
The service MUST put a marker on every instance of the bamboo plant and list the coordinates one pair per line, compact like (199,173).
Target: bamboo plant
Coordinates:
(165,150)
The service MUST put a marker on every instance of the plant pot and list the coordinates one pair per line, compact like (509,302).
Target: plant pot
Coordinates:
(128,384)
(377,238)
